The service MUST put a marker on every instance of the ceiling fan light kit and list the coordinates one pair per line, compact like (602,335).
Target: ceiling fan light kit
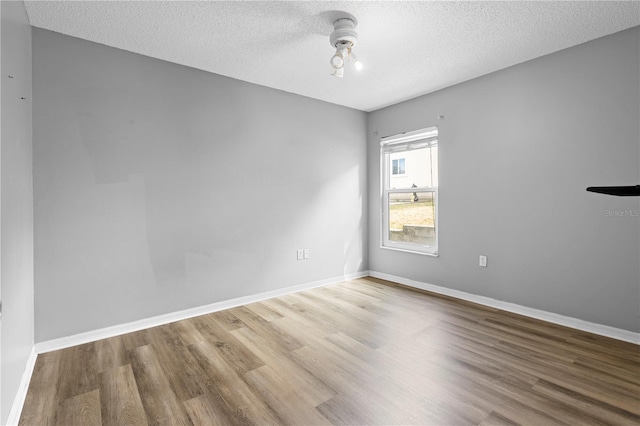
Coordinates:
(344,37)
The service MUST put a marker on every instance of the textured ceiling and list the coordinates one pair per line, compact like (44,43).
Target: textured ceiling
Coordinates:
(408,48)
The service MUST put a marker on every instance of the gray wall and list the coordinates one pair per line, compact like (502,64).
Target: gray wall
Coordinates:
(517,149)
(160,187)
(16,213)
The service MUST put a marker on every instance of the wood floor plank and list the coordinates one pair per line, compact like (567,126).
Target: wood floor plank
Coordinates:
(110,353)
(358,393)
(440,390)
(78,371)
(263,311)
(241,402)
(350,392)
(366,351)
(301,312)
(603,378)
(120,398)
(284,397)
(606,413)
(230,348)
(298,324)
(481,334)
(186,331)
(158,398)
(496,419)
(228,321)
(563,376)
(81,410)
(357,328)
(605,347)
(310,388)
(177,363)
(420,392)
(512,400)
(260,325)
(631,375)
(135,340)
(205,410)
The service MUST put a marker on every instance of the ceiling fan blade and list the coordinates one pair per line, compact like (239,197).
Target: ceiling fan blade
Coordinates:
(623,191)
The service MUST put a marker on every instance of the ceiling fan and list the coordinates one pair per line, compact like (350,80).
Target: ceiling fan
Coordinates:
(621,191)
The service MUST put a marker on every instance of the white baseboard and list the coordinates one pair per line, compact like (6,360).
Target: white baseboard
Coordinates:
(18,402)
(602,330)
(116,330)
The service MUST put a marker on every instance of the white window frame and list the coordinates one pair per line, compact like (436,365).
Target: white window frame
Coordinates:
(399,143)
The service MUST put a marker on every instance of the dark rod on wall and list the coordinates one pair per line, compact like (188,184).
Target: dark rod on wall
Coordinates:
(623,191)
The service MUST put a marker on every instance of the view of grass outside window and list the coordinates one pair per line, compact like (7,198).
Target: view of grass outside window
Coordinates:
(410,185)
(413,221)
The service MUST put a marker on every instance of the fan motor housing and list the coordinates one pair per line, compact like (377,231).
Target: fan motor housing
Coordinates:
(344,32)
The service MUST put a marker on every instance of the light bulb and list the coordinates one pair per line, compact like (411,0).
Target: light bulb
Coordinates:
(356,62)
(337,62)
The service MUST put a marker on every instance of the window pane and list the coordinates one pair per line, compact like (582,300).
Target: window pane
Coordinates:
(414,168)
(412,218)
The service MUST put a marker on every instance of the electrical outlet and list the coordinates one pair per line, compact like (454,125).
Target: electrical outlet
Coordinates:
(483,261)
(300,254)
(306,253)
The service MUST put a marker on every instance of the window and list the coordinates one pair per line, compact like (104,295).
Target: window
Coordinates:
(410,191)
(398,166)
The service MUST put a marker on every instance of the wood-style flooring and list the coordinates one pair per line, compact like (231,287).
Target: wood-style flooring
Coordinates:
(360,352)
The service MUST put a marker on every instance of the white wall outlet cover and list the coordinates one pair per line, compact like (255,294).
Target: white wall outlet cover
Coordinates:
(306,253)
(483,261)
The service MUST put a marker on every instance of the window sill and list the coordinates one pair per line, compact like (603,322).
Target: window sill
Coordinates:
(423,253)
